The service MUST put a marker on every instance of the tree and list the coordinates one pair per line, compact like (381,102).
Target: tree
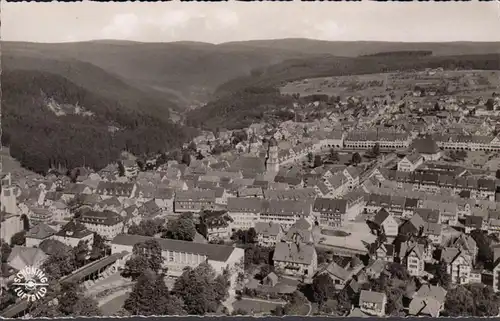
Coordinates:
(333,156)
(26,222)
(484,246)
(148,227)
(356,158)
(200,289)
(19,238)
(186,158)
(60,263)
(437,107)
(441,276)
(322,288)
(81,253)
(296,304)
(459,302)
(490,104)
(71,301)
(99,247)
(318,161)
(376,149)
(497,174)
(145,255)
(310,157)
(251,235)
(150,296)
(182,228)
(5,251)
(121,169)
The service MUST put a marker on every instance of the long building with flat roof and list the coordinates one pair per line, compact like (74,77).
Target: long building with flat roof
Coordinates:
(180,254)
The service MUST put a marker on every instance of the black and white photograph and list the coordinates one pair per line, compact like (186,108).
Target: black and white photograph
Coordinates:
(335,159)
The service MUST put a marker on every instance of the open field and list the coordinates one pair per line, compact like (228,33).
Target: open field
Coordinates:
(254,306)
(353,237)
(113,305)
(475,82)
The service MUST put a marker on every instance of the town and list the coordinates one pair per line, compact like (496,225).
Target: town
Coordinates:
(385,205)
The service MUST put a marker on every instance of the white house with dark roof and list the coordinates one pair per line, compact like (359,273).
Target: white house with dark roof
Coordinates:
(295,259)
(180,254)
(386,224)
(268,233)
(73,233)
(107,224)
(410,162)
(115,189)
(194,201)
(496,269)
(372,303)
(413,257)
(285,212)
(458,264)
(330,212)
(38,233)
(10,225)
(245,212)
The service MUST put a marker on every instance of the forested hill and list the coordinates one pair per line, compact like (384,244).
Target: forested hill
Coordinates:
(297,69)
(48,120)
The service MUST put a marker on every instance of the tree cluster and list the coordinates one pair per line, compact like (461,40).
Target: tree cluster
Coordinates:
(201,289)
(469,300)
(183,228)
(245,236)
(62,262)
(150,296)
(145,256)
(148,227)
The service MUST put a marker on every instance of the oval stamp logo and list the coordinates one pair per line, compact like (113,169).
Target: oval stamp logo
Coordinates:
(30,283)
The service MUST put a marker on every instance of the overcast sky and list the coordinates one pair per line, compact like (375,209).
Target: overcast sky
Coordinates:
(234,21)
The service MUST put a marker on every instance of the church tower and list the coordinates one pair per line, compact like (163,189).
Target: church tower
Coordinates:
(272,160)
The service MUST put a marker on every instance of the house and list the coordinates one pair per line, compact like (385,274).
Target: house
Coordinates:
(372,303)
(434,232)
(427,148)
(464,243)
(194,201)
(342,273)
(22,256)
(10,225)
(330,212)
(271,280)
(107,224)
(473,222)
(413,257)
(268,233)
(386,224)
(245,212)
(496,269)
(285,212)
(428,301)
(410,162)
(218,225)
(130,168)
(181,254)
(38,233)
(73,233)
(295,259)
(382,251)
(458,264)
(116,189)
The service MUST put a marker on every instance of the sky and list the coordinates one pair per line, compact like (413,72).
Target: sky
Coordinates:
(238,21)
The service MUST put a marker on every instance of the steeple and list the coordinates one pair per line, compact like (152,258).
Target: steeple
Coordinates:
(272,160)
